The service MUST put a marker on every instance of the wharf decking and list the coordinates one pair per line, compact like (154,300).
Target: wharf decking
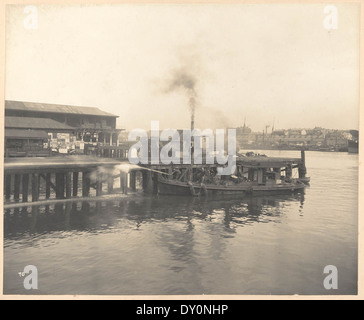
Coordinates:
(65,177)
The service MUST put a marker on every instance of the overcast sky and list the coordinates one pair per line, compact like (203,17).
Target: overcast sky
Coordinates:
(264,63)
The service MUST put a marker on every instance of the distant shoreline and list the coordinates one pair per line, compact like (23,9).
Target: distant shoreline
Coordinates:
(293,149)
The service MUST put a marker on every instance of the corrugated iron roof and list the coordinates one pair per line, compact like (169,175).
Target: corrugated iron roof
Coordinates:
(55,108)
(25,134)
(35,123)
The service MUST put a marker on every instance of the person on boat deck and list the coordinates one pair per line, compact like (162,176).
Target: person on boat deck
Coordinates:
(209,177)
(176,173)
(200,175)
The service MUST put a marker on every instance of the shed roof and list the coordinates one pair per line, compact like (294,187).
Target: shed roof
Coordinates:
(25,134)
(35,123)
(55,108)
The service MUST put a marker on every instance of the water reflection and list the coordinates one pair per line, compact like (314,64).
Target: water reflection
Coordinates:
(104,215)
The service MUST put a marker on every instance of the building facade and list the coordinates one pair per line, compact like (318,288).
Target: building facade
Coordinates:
(69,129)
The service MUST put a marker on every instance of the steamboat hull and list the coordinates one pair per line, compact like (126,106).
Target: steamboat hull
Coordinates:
(184,189)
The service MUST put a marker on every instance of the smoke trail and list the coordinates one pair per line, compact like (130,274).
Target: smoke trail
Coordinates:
(183,79)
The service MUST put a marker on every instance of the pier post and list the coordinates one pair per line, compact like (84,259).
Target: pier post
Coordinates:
(124,182)
(75,184)
(60,185)
(48,185)
(302,166)
(7,186)
(68,185)
(99,184)
(133,180)
(250,174)
(110,184)
(303,157)
(85,183)
(25,186)
(16,187)
(121,181)
(147,181)
(35,187)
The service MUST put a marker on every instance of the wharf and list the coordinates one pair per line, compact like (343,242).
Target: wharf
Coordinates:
(81,177)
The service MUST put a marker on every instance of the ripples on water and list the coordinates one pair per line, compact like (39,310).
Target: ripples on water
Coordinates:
(178,245)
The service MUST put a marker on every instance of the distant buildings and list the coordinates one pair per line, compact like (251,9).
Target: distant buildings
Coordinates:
(312,139)
(33,129)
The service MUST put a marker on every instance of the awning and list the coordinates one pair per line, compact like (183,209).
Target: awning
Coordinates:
(25,134)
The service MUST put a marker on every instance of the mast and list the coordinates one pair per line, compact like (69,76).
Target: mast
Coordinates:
(192,144)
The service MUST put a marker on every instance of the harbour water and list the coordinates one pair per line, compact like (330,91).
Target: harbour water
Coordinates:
(162,245)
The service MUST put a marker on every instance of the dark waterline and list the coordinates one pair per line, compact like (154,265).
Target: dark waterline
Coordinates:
(177,245)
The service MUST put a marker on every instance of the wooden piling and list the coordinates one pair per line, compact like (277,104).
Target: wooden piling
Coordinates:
(99,184)
(75,184)
(48,185)
(16,187)
(60,184)
(35,187)
(85,183)
(133,180)
(122,181)
(147,181)
(7,186)
(25,187)
(302,166)
(126,183)
(68,184)
(110,184)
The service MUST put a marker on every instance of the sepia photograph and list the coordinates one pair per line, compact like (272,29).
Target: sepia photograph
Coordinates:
(181,149)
